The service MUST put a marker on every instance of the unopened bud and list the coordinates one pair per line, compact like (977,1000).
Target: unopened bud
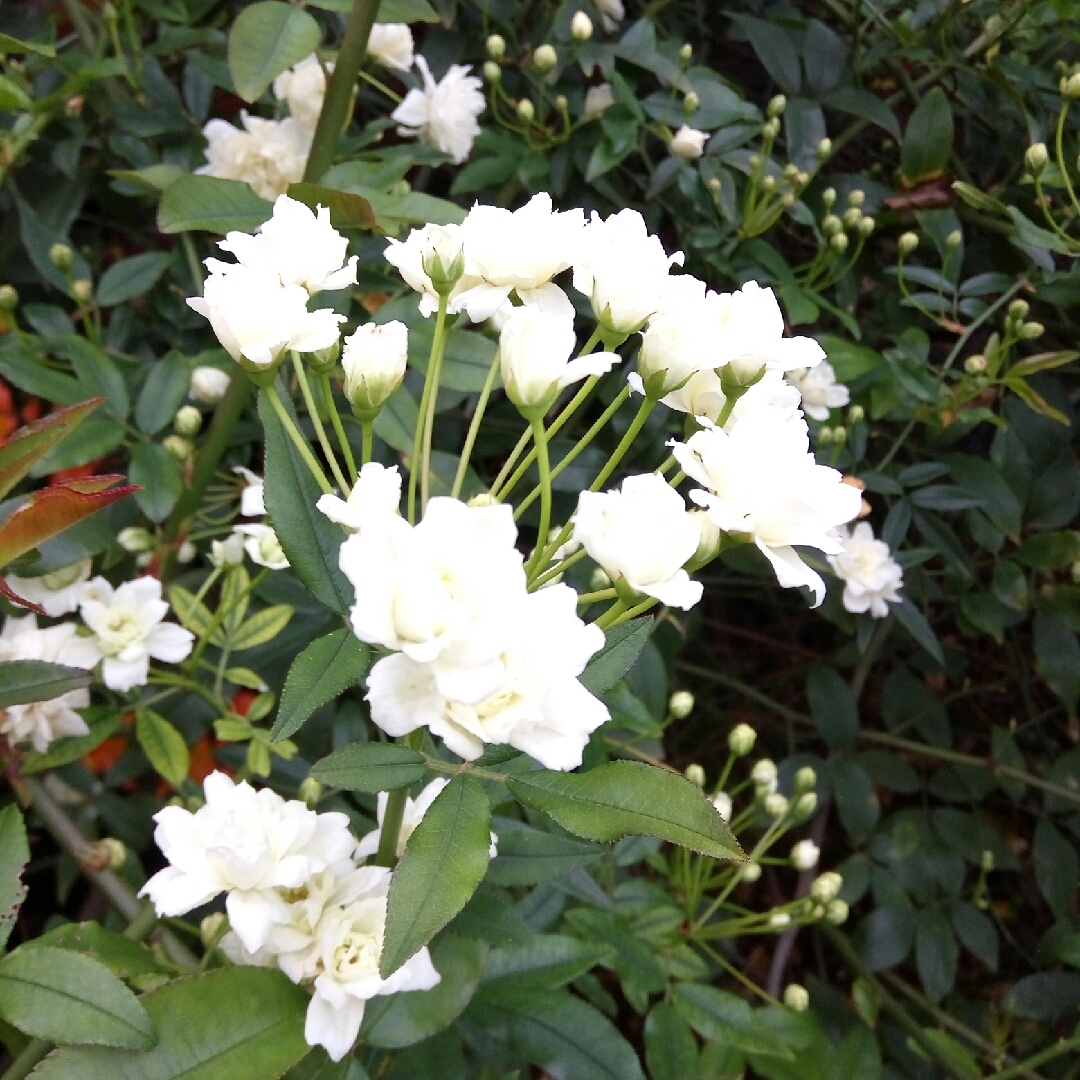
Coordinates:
(856,197)
(599,580)
(975,365)
(839,433)
(776,805)
(831,225)
(839,243)
(581,26)
(9,298)
(907,243)
(852,217)
(178,446)
(545,58)
(722,801)
(681,704)
(310,792)
(791,171)
(1029,331)
(496,46)
(836,912)
(826,887)
(187,420)
(686,52)
(805,855)
(776,106)
(690,102)
(754,160)
(787,199)
(713,185)
(828,198)
(695,774)
(323,361)
(954,239)
(1018,310)
(741,740)
(186,552)
(805,778)
(74,105)
(986,861)
(780,919)
(866,225)
(483,498)
(751,871)
(492,71)
(825,434)
(771,128)
(805,804)
(824,148)
(82,290)
(856,414)
(135,540)
(115,852)
(802,179)
(526,110)
(768,183)
(61,256)
(210,928)
(1070,87)
(796,997)
(1036,157)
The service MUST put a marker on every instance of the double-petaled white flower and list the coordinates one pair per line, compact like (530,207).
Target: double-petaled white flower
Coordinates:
(688,142)
(303,87)
(681,339)
(58,593)
(267,154)
(597,100)
(208,384)
(391,44)
(377,492)
(249,844)
(430,257)
(412,815)
(535,350)
(40,722)
(443,114)
(300,247)
(262,545)
(374,359)
(642,535)
(129,631)
(763,484)
(872,577)
(257,319)
(623,269)
(819,389)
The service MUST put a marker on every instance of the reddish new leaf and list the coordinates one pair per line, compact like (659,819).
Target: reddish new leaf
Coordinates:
(50,511)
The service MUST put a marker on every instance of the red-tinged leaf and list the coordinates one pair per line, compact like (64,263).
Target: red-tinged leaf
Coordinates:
(15,598)
(50,511)
(90,484)
(32,442)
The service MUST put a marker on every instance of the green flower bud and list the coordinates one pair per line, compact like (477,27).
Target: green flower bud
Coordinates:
(805,779)
(741,740)
(856,197)
(599,580)
(581,26)
(826,887)
(975,365)
(135,540)
(62,257)
(492,71)
(187,420)
(907,243)
(310,792)
(9,298)
(690,102)
(545,58)
(839,243)
(805,804)
(836,912)
(1018,310)
(824,148)
(82,290)
(1070,87)
(771,128)
(179,447)
(787,199)
(866,225)
(526,110)
(210,928)
(696,775)
(751,871)
(954,239)
(1036,158)
(856,414)
(852,217)
(776,805)
(776,106)
(681,704)
(791,172)
(561,103)
(686,52)
(768,183)
(986,861)
(1029,331)
(828,197)
(831,225)
(496,46)
(713,185)
(796,997)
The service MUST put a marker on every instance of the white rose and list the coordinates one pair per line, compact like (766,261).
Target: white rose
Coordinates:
(303,88)
(535,349)
(689,142)
(681,338)
(819,390)
(298,246)
(256,319)
(425,250)
(623,269)
(268,154)
(643,535)
(872,577)
(391,44)
(129,631)
(597,99)
(208,385)
(374,359)
(443,114)
(377,491)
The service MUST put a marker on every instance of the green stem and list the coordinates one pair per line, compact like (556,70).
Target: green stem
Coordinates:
(634,612)
(431,388)
(391,827)
(339,90)
(511,460)
(474,427)
(1058,145)
(611,614)
(1022,1068)
(298,440)
(418,435)
(320,431)
(636,425)
(31,1054)
(554,571)
(540,438)
(366,433)
(339,429)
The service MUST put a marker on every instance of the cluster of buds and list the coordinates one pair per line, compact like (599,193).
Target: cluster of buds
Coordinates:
(63,258)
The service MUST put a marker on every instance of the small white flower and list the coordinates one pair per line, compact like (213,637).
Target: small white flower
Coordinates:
(776,805)
(819,389)
(722,801)
(208,384)
(623,269)
(227,552)
(300,247)
(805,854)
(414,812)
(597,99)
(251,498)
(612,13)
(826,886)
(248,843)
(688,142)
(535,349)
(374,359)
(129,631)
(872,577)
(58,593)
(391,44)
(444,113)
(40,722)
(643,535)
(376,491)
(303,88)
(263,546)
(267,154)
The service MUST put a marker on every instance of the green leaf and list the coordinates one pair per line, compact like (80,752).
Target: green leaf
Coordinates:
(21,365)
(325,669)
(563,1035)
(718,1014)
(370,767)
(128,278)
(242,1023)
(347,210)
(266,39)
(262,627)
(9,44)
(1057,655)
(193,614)
(928,139)
(962,1065)
(546,962)
(95,370)
(915,623)
(528,856)
(445,859)
(23,681)
(68,998)
(211,204)
(404,1019)
(163,745)
(628,798)
(936,953)
(832,705)
(103,720)
(309,539)
(125,958)
(775,49)
(407,11)
(622,645)
(1034,400)
(978,199)
(862,103)
(14,855)
(1042,362)
(163,393)
(1057,869)
(30,443)
(1044,996)
(670,1048)
(976,933)
(1049,550)
(158,473)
